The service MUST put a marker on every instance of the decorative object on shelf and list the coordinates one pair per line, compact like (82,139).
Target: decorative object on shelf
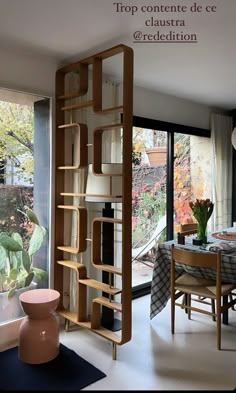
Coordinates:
(233,138)
(202,210)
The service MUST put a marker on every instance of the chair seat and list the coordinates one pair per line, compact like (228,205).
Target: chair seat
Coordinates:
(201,287)
(225,289)
(188,279)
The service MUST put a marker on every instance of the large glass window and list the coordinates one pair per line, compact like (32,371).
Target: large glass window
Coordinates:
(148,200)
(171,166)
(192,175)
(24,198)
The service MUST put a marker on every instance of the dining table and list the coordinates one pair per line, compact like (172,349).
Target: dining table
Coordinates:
(160,284)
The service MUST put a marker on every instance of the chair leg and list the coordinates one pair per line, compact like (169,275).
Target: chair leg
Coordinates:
(186,301)
(172,314)
(231,299)
(213,310)
(189,304)
(226,313)
(218,324)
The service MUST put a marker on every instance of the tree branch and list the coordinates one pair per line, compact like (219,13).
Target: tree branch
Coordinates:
(15,160)
(27,144)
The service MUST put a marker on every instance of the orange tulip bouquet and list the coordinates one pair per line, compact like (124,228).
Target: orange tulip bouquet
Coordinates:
(202,210)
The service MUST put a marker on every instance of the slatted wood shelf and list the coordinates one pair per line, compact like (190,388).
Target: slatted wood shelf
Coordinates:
(72,167)
(79,194)
(69,249)
(71,264)
(109,268)
(108,334)
(112,109)
(69,96)
(71,316)
(100,286)
(103,332)
(69,125)
(85,324)
(80,105)
(104,301)
(108,219)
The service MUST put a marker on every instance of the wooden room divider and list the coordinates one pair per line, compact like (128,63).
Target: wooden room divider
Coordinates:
(89,315)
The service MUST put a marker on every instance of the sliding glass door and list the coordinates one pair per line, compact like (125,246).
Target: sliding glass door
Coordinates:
(171,166)
(192,175)
(148,200)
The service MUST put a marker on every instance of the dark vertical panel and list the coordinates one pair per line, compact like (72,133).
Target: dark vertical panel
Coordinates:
(234,174)
(108,259)
(170,186)
(42,175)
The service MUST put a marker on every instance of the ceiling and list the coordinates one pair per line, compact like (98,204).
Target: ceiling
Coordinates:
(70,30)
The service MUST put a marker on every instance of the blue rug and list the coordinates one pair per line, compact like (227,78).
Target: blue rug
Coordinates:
(68,371)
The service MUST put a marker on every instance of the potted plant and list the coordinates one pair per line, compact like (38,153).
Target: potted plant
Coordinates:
(157,154)
(16,264)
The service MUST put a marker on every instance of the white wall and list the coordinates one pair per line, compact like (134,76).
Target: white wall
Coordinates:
(36,74)
(153,105)
(29,73)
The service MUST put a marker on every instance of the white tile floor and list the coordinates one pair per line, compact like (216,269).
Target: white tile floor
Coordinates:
(156,360)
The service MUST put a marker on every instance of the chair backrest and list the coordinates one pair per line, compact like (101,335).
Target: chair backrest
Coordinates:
(188,229)
(195,258)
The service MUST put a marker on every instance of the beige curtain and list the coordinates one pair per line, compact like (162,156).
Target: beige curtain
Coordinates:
(76,181)
(221,130)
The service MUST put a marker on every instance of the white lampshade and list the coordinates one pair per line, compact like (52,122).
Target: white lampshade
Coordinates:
(233,138)
(104,188)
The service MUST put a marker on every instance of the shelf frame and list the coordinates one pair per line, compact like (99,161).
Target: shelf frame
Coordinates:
(64,103)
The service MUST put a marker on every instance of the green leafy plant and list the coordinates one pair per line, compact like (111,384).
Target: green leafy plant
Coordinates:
(16,258)
(148,206)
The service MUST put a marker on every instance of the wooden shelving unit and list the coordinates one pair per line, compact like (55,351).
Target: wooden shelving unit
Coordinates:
(123,271)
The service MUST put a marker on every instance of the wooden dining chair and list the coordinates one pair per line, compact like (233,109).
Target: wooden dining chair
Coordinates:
(214,290)
(187,230)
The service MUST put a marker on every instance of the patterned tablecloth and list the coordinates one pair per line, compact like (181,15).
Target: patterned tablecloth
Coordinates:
(160,287)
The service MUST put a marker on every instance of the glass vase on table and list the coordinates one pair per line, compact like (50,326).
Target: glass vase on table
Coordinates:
(202,233)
